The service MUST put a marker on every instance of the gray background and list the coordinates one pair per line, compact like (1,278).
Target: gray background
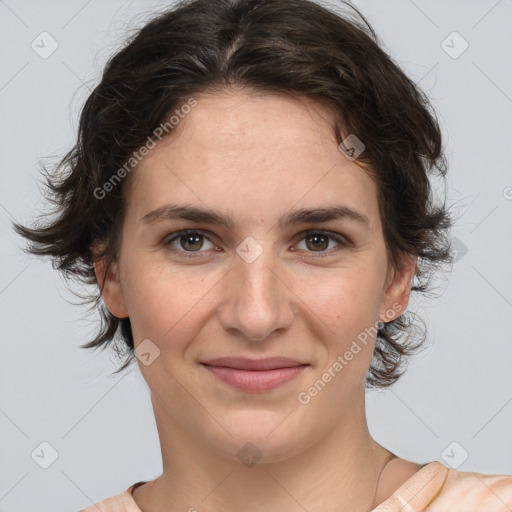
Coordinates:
(459,389)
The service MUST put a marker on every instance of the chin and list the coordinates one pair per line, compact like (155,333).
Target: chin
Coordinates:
(262,437)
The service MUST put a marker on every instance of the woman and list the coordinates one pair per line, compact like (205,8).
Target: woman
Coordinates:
(250,194)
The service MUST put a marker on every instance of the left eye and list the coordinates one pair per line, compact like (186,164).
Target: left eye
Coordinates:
(193,241)
(319,240)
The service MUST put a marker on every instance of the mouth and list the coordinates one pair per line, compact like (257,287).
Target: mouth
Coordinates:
(255,375)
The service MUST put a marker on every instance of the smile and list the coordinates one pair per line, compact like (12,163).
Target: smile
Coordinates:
(255,380)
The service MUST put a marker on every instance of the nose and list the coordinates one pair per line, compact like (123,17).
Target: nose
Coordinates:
(257,301)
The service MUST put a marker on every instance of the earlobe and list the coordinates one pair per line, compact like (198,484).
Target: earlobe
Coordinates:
(110,286)
(398,288)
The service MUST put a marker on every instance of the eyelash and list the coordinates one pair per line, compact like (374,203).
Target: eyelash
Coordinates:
(196,254)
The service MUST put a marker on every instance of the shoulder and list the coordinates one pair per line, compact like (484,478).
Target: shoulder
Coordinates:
(444,489)
(122,502)
(469,490)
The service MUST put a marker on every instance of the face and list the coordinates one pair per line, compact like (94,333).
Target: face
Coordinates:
(272,283)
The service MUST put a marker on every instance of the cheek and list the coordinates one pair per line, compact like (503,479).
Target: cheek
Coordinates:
(163,302)
(345,301)
(349,306)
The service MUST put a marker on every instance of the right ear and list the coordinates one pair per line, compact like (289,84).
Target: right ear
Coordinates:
(110,286)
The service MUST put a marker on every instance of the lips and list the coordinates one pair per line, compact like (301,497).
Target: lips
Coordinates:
(243,363)
(254,375)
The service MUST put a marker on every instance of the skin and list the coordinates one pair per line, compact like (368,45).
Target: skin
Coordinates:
(256,157)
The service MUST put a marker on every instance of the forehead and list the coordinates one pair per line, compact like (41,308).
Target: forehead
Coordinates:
(245,152)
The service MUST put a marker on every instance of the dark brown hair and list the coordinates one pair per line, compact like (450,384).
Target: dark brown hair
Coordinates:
(294,47)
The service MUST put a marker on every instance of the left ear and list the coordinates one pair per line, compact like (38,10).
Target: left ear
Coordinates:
(397,288)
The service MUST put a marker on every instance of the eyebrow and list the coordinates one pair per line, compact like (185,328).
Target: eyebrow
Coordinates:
(301,216)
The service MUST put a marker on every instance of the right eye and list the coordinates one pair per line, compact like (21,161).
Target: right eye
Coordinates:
(186,241)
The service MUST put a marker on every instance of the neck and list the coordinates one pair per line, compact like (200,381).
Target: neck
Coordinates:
(339,473)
